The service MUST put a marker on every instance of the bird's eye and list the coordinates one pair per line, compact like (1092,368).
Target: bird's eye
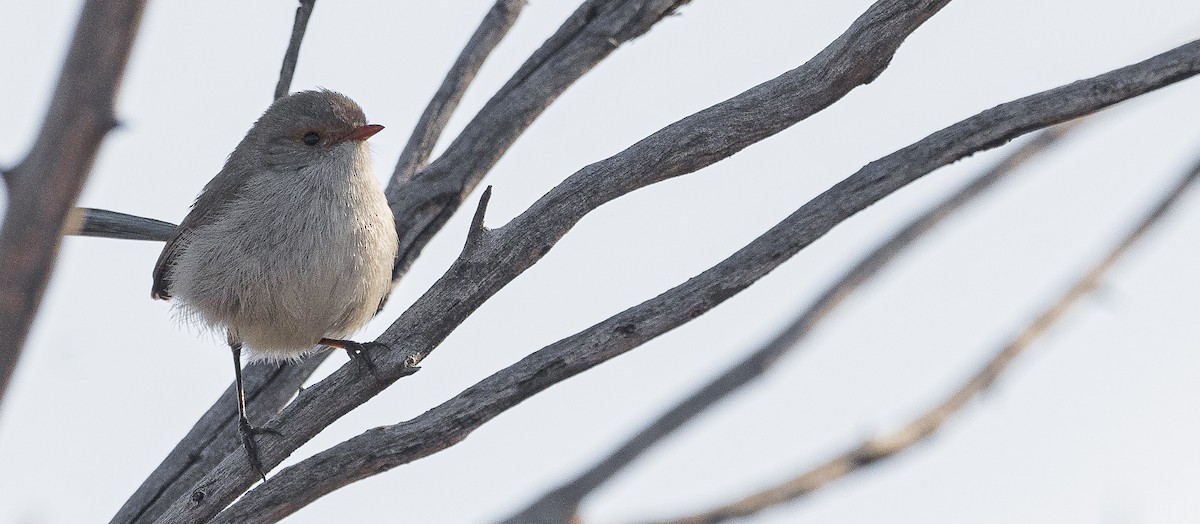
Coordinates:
(312,138)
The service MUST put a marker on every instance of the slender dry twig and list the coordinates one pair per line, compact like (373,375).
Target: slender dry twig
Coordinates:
(268,386)
(692,143)
(561,504)
(873,451)
(303,12)
(855,58)
(495,25)
(45,184)
(423,203)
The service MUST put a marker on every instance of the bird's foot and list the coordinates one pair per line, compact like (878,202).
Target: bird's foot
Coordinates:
(358,351)
(247,433)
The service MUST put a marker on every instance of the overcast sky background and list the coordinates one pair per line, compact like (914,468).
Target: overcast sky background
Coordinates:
(1097,423)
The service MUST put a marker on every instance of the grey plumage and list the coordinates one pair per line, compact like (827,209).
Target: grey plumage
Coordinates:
(291,242)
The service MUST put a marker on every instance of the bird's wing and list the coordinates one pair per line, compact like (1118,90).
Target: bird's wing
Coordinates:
(208,206)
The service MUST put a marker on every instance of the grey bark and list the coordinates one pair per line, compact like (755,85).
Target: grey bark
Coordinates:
(423,203)
(560,504)
(45,184)
(876,450)
(855,58)
(503,253)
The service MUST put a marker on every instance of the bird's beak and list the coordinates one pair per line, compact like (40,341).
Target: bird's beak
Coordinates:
(361,133)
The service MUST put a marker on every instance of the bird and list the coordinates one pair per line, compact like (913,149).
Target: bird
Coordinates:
(290,246)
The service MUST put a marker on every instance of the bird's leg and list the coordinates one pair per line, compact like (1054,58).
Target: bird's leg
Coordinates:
(245,430)
(356,350)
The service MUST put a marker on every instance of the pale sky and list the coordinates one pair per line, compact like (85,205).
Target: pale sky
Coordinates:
(1097,423)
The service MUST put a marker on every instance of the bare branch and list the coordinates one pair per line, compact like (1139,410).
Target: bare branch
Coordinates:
(495,25)
(877,449)
(268,387)
(44,186)
(560,504)
(523,240)
(423,203)
(293,51)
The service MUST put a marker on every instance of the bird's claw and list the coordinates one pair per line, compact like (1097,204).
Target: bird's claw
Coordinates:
(361,351)
(247,433)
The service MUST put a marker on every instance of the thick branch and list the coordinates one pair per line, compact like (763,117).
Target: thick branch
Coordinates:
(560,504)
(877,449)
(423,203)
(526,237)
(44,186)
(268,387)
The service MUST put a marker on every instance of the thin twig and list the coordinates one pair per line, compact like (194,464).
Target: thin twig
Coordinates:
(487,36)
(560,504)
(877,449)
(303,12)
(45,184)
(692,143)
(423,203)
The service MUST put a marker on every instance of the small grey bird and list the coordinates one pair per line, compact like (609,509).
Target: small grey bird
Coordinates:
(291,245)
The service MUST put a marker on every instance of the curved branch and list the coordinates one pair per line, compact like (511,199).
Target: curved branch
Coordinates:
(883,447)
(529,235)
(44,186)
(561,504)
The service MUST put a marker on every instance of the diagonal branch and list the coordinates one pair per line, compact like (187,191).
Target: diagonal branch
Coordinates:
(561,504)
(523,240)
(883,447)
(855,58)
(44,186)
